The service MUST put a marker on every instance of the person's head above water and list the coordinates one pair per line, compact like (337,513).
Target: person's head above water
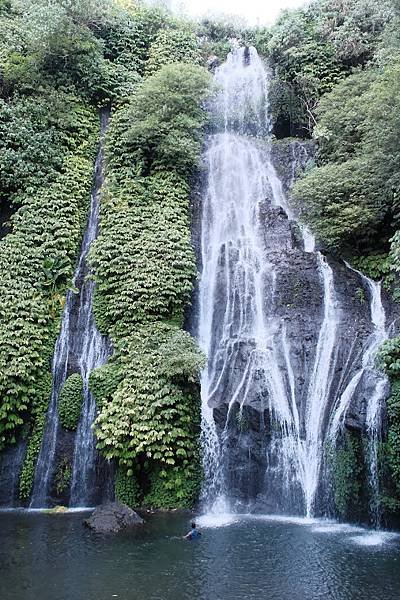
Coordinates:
(193,525)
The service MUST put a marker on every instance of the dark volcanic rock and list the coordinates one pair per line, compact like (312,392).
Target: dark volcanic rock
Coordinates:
(112,517)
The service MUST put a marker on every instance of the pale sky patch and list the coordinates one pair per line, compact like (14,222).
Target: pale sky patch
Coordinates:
(255,12)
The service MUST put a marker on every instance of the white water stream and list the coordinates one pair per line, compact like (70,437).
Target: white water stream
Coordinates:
(247,346)
(79,341)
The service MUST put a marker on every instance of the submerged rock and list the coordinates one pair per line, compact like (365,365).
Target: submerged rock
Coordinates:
(112,517)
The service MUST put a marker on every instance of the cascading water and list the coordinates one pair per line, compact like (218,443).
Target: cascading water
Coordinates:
(252,367)
(79,344)
(377,385)
(93,350)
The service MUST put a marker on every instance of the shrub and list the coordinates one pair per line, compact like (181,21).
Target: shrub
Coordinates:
(70,401)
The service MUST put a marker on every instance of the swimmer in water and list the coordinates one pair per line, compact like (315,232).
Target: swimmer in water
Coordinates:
(194,533)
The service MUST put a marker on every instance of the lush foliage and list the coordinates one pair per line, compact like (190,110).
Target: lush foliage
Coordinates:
(104,381)
(151,412)
(389,359)
(176,45)
(357,185)
(127,489)
(393,439)
(62,476)
(312,48)
(97,47)
(47,225)
(136,278)
(160,128)
(70,401)
(177,487)
(58,62)
(145,267)
(346,465)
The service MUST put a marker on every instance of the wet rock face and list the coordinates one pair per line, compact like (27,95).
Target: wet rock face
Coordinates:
(293,306)
(112,517)
(6,212)
(11,461)
(100,478)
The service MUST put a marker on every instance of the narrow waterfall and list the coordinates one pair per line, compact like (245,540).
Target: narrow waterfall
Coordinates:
(82,348)
(377,385)
(267,398)
(92,350)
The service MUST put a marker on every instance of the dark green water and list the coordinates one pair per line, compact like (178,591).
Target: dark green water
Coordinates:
(53,557)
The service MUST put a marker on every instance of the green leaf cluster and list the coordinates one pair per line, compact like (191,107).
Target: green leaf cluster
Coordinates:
(152,414)
(347,471)
(312,48)
(104,381)
(160,129)
(96,47)
(377,265)
(388,357)
(47,226)
(70,401)
(63,475)
(138,279)
(174,487)
(393,437)
(351,199)
(127,489)
(178,44)
(145,266)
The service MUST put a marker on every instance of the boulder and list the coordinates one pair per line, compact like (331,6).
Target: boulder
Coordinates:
(112,517)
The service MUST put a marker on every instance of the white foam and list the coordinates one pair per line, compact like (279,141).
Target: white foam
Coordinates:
(286,519)
(376,538)
(218,519)
(333,527)
(49,511)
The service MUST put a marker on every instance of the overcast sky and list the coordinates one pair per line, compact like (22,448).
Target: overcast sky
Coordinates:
(254,11)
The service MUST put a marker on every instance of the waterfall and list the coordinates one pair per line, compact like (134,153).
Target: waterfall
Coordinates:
(251,364)
(45,464)
(92,349)
(82,347)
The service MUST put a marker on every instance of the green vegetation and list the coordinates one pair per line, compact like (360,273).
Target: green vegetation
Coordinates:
(336,78)
(312,48)
(348,100)
(46,226)
(62,477)
(147,419)
(389,359)
(70,401)
(127,489)
(347,469)
(59,63)
(174,488)
(176,45)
